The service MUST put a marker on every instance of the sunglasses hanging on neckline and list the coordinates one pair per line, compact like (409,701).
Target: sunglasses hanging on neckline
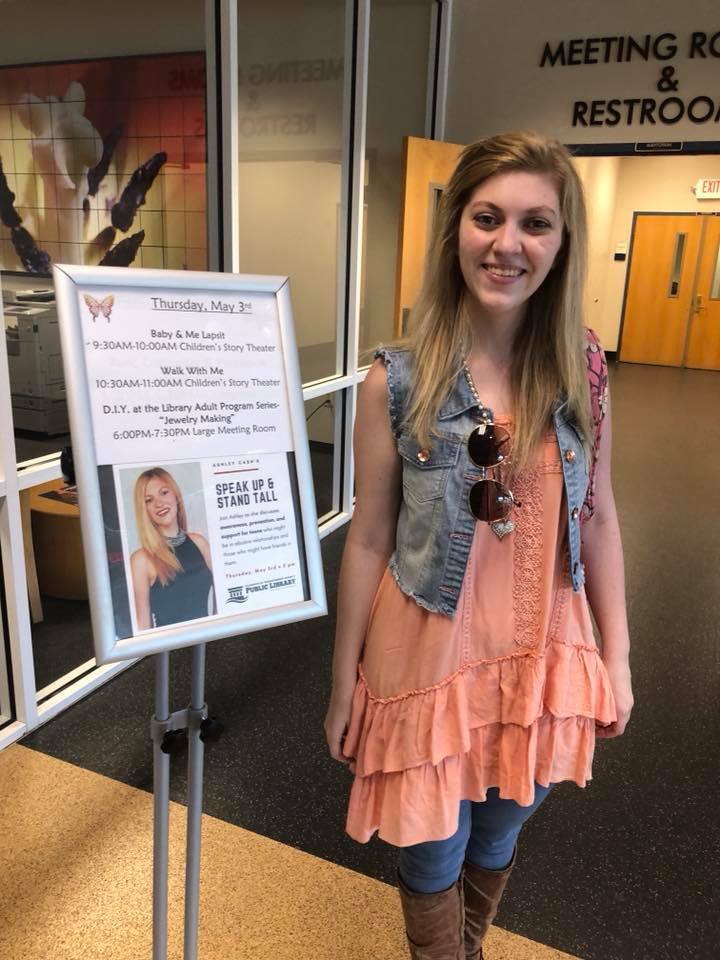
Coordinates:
(489,446)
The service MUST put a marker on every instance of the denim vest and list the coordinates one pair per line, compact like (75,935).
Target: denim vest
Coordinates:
(435,526)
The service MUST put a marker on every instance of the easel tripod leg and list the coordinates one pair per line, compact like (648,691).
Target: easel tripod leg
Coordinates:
(161,786)
(196,757)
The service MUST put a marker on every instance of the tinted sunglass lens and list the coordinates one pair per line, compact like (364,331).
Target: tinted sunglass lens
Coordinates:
(489,501)
(489,448)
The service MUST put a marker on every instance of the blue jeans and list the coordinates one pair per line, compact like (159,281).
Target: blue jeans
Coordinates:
(486,836)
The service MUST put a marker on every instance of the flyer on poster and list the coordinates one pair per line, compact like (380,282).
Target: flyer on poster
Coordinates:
(194,446)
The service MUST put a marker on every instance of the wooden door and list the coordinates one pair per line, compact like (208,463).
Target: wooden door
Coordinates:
(704,343)
(428,166)
(660,288)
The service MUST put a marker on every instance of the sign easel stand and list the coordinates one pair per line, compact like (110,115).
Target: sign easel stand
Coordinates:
(170,733)
(122,384)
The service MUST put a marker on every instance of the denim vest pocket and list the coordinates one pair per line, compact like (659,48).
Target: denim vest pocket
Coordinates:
(426,470)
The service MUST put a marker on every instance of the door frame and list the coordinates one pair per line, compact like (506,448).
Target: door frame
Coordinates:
(653,213)
(638,149)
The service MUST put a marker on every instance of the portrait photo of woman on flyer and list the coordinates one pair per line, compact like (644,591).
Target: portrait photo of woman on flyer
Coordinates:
(172,569)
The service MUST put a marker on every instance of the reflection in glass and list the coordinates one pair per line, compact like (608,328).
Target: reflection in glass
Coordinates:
(37,382)
(5,701)
(715,286)
(57,584)
(89,176)
(396,109)
(320,416)
(290,120)
(103,158)
(5,698)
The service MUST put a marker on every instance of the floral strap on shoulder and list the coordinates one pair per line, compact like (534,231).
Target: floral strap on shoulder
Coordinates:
(597,373)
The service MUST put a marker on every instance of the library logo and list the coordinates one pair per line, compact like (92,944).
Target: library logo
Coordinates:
(237,595)
(240,594)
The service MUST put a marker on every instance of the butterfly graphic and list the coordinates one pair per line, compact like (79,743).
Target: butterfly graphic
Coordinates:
(97,307)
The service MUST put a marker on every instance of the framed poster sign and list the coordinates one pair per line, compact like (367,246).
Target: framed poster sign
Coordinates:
(190,448)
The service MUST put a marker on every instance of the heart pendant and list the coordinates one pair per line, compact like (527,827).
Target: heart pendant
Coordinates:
(502,527)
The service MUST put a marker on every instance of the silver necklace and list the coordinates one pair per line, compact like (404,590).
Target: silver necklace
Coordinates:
(485,416)
(177,540)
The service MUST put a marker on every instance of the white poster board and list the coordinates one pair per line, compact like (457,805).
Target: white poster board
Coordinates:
(190,448)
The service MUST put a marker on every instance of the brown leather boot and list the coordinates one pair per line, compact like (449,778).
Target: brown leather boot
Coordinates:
(434,923)
(482,891)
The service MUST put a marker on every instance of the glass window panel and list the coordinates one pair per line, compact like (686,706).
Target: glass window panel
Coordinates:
(396,109)
(74,147)
(37,382)
(5,698)
(87,97)
(6,711)
(290,118)
(357,404)
(81,112)
(320,415)
(715,286)
(57,584)
(680,239)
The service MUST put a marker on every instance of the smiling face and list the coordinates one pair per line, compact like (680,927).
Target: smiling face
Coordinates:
(162,506)
(510,233)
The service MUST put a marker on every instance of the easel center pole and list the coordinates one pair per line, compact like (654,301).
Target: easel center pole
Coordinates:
(161,800)
(196,756)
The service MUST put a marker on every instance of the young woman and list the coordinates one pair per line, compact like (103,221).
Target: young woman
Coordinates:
(172,570)
(466,677)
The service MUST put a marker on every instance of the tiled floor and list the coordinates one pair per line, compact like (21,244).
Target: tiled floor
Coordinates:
(77,883)
(628,869)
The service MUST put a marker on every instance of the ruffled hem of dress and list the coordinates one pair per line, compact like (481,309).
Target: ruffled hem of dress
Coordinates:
(419,804)
(394,734)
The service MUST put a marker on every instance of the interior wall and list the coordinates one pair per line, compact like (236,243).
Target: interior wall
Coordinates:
(35,30)
(600,178)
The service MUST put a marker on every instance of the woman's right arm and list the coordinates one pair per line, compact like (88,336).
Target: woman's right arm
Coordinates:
(141,578)
(369,545)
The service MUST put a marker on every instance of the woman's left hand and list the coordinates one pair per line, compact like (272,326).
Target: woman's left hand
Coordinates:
(621,683)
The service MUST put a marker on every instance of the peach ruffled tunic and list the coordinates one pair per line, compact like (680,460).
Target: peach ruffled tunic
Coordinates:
(505,693)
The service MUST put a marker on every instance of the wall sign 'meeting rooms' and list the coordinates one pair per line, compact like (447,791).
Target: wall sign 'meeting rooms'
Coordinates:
(668,109)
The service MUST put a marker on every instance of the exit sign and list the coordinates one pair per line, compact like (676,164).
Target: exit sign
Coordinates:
(707,188)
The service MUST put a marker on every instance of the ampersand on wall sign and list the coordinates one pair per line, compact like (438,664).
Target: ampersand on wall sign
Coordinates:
(666,82)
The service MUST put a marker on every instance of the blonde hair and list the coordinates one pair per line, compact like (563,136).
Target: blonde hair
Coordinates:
(549,348)
(162,554)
